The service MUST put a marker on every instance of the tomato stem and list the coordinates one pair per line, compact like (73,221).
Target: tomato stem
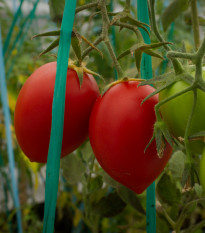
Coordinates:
(87,6)
(176,64)
(195,23)
(186,134)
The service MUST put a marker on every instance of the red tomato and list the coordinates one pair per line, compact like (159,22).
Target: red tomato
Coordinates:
(32,119)
(120,129)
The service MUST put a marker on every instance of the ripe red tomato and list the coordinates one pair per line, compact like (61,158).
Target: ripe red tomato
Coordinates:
(32,119)
(120,129)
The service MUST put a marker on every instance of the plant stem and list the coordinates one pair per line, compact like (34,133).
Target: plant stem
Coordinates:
(186,134)
(105,35)
(177,65)
(195,23)
(87,6)
(127,6)
(89,49)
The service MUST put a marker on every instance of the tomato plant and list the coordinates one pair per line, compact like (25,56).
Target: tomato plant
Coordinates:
(176,112)
(32,119)
(120,129)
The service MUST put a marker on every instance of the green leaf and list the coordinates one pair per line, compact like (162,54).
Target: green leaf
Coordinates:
(73,168)
(125,53)
(109,206)
(175,8)
(198,189)
(75,42)
(168,191)
(153,54)
(138,59)
(51,33)
(130,198)
(56,10)
(198,136)
(95,184)
(177,164)
(50,47)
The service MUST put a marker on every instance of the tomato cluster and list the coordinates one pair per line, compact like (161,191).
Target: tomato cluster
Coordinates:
(119,127)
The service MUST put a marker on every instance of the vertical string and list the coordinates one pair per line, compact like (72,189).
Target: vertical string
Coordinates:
(146,73)
(4,99)
(8,38)
(53,162)
(28,19)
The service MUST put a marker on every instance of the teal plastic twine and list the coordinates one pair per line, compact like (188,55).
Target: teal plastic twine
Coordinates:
(19,41)
(4,99)
(6,187)
(21,31)
(146,73)
(53,162)
(8,38)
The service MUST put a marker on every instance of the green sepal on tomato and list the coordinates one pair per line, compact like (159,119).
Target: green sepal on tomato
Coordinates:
(176,112)
(120,129)
(33,111)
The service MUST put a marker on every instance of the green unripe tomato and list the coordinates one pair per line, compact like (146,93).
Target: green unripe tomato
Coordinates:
(176,112)
(202,170)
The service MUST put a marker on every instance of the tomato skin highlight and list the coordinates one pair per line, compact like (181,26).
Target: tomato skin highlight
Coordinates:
(120,129)
(176,112)
(33,112)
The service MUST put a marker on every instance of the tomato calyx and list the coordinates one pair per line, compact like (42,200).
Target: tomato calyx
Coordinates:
(125,79)
(161,135)
(80,69)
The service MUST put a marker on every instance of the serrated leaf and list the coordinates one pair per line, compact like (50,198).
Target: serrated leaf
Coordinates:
(138,59)
(168,191)
(130,198)
(51,33)
(50,47)
(73,168)
(175,8)
(177,164)
(109,206)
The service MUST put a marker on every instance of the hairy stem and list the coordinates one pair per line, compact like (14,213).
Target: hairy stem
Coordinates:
(89,49)
(87,6)
(186,134)
(105,35)
(177,65)
(195,23)
(127,6)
